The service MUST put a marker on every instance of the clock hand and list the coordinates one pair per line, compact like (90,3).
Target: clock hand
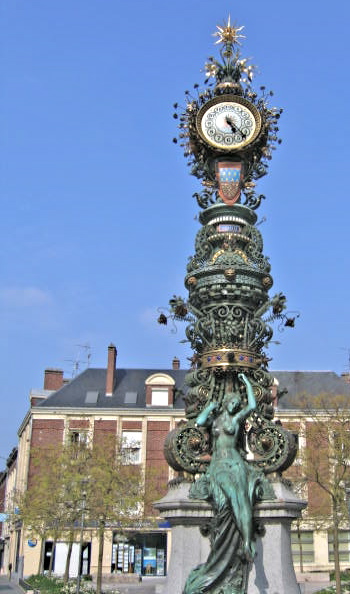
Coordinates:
(234,129)
(230,122)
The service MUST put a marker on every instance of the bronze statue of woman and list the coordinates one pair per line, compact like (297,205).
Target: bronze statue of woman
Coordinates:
(230,484)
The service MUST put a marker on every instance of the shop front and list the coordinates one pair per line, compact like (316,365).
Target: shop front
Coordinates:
(79,561)
(143,553)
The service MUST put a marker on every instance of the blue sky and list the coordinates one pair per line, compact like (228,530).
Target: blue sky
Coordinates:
(98,220)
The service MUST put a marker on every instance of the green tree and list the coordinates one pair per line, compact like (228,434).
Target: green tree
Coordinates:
(115,490)
(326,464)
(51,505)
(98,476)
(74,461)
(40,508)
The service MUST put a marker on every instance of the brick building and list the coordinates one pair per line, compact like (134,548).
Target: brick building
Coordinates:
(141,406)
(9,547)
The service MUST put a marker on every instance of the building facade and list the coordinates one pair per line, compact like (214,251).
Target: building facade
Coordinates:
(10,535)
(141,406)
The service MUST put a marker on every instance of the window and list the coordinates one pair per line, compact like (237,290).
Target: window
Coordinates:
(143,553)
(78,437)
(303,546)
(300,439)
(160,389)
(341,450)
(79,442)
(131,447)
(130,398)
(344,546)
(91,397)
(160,397)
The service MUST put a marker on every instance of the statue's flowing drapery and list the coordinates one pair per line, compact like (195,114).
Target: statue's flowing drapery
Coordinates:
(227,566)
(230,484)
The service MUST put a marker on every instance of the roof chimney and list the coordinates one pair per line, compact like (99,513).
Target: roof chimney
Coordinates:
(176,363)
(111,375)
(53,379)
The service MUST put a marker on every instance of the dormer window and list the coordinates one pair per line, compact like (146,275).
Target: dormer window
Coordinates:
(160,397)
(160,390)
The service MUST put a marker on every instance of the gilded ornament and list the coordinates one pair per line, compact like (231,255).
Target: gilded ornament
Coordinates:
(227,133)
(230,273)
(267,282)
(228,33)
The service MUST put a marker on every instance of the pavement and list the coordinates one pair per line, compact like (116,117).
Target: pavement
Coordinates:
(149,585)
(312,587)
(9,586)
(155,586)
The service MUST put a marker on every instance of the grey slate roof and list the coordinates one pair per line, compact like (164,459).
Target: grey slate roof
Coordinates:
(88,390)
(312,383)
(75,393)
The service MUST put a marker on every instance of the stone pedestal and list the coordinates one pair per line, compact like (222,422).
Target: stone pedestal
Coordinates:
(272,572)
(188,547)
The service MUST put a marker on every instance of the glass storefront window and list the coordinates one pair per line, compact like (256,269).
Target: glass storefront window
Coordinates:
(142,553)
(149,561)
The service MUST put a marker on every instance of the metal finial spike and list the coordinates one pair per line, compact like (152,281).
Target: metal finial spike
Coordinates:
(229,33)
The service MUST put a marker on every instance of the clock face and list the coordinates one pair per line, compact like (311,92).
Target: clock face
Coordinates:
(228,122)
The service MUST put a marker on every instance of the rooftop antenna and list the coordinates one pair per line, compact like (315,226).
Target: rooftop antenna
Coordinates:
(77,361)
(75,364)
(87,348)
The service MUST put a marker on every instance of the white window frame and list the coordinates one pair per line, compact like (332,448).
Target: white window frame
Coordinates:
(82,436)
(160,396)
(131,446)
(159,389)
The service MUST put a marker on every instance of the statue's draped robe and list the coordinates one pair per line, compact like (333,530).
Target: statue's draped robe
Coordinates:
(224,484)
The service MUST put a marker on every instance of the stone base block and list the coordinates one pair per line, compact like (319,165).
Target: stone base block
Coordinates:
(188,547)
(272,571)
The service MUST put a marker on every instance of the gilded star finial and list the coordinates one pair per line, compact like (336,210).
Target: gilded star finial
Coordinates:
(228,33)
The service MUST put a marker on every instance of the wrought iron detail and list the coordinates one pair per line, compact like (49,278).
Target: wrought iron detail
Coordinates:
(273,447)
(230,440)
(185,448)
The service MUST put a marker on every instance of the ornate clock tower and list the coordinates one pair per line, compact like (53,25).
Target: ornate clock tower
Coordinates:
(229,443)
